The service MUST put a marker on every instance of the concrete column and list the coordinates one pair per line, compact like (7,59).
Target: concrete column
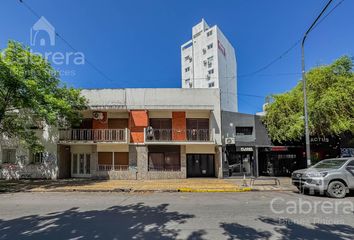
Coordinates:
(218,162)
(94,160)
(183,161)
(138,156)
(256,161)
(112,160)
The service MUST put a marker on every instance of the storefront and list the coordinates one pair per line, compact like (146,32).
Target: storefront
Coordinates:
(240,160)
(280,160)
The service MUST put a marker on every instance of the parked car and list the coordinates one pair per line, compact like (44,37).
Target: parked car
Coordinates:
(335,177)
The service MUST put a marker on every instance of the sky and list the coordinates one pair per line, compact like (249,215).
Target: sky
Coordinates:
(132,44)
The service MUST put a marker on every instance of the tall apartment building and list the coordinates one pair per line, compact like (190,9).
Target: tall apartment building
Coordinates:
(208,61)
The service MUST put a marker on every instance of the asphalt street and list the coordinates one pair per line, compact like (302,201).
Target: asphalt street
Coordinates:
(252,215)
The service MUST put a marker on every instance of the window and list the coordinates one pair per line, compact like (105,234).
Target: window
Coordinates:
(74,163)
(240,131)
(210,46)
(197,34)
(351,164)
(188,58)
(209,33)
(211,71)
(81,163)
(212,84)
(162,128)
(38,157)
(9,156)
(198,129)
(188,82)
(88,163)
(164,158)
(210,61)
(187,69)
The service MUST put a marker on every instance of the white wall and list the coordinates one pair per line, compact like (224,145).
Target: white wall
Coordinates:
(48,169)
(224,66)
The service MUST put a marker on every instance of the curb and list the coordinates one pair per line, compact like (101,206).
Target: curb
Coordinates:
(215,190)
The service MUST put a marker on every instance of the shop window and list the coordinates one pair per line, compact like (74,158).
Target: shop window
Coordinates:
(240,131)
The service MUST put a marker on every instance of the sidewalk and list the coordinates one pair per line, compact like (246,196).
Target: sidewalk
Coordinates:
(168,185)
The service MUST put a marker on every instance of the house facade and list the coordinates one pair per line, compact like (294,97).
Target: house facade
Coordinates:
(132,134)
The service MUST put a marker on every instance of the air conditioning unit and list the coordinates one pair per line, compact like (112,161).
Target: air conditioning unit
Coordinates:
(230,140)
(98,115)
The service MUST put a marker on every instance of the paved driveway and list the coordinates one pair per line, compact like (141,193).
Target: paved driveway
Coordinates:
(249,215)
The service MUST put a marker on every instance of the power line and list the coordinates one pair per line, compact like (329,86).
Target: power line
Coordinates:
(67,43)
(273,61)
(290,48)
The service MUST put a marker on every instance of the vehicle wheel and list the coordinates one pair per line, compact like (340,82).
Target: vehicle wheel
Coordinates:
(336,189)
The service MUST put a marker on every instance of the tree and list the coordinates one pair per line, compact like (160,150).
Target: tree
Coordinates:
(31,92)
(330,91)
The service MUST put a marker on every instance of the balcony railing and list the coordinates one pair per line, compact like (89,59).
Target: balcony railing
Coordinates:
(179,135)
(106,167)
(96,135)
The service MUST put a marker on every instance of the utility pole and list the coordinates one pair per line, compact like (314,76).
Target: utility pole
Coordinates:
(307,133)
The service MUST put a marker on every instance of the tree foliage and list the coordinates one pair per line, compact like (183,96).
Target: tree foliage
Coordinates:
(330,91)
(31,92)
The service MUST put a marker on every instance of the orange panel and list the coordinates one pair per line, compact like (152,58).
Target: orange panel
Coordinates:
(179,126)
(138,120)
(137,137)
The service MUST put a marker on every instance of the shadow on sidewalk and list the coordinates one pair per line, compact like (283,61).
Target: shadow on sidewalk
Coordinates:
(135,221)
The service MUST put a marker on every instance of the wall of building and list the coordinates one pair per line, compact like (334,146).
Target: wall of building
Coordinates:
(195,102)
(213,67)
(23,167)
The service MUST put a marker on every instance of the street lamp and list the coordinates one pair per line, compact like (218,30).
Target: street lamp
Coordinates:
(307,134)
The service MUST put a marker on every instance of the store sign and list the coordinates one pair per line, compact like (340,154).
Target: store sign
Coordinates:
(319,140)
(245,149)
(279,149)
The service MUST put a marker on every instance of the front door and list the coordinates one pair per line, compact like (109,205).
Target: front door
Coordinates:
(240,164)
(200,165)
(80,165)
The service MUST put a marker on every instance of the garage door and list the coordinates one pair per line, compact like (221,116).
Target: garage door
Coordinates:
(200,165)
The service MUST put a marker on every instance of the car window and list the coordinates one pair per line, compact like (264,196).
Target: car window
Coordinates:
(331,163)
(351,164)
